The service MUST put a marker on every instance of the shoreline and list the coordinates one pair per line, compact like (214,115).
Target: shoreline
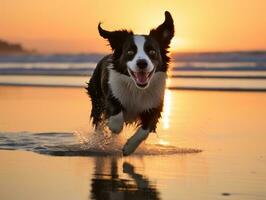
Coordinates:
(210,89)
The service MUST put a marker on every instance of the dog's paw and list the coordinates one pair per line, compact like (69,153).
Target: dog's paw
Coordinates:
(133,142)
(129,148)
(115,123)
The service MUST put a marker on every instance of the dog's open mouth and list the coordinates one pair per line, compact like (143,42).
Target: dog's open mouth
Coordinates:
(141,78)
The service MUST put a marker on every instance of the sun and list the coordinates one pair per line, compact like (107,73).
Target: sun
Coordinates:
(178,43)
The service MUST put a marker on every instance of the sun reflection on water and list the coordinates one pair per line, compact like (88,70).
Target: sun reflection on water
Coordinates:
(166,109)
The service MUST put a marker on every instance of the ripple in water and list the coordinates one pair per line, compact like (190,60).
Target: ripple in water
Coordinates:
(80,144)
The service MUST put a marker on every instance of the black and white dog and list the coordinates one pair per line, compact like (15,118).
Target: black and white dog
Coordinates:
(128,85)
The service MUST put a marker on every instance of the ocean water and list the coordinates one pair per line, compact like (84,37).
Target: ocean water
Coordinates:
(215,71)
(48,149)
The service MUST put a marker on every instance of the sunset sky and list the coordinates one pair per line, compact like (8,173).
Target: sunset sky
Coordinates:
(60,26)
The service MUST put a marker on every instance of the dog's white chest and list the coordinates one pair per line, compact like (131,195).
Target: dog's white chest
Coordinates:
(133,99)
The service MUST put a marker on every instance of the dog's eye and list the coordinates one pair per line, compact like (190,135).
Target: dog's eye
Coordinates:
(152,52)
(130,52)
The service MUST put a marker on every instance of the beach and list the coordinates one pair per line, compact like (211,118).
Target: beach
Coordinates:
(228,127)
(210,140)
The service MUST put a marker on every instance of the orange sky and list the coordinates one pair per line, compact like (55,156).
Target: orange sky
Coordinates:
(71,25)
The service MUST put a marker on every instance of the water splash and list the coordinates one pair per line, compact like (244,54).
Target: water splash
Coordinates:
(98,143)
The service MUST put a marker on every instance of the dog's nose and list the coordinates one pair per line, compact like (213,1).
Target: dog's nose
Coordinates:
(142,63)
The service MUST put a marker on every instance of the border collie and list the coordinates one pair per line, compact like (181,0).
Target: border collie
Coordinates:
(127,86)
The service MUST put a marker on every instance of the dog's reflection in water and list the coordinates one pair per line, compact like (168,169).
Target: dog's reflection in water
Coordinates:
(110,186)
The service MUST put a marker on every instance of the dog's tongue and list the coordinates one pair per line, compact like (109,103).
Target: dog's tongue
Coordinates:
(141,77)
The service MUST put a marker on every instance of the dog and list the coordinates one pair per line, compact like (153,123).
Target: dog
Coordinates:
(127,86)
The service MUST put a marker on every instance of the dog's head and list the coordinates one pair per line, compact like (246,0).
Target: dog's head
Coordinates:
(141,56)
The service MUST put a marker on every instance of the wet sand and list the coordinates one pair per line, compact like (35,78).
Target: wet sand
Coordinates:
(228,126)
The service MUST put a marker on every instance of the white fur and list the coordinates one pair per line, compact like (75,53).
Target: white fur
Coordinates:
(134,99)
(116,122)
(135,140)
(141,54)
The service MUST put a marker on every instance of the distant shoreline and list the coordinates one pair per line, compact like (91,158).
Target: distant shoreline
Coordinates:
(10,48)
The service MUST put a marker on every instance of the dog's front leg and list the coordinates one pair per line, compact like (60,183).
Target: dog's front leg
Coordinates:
(115,122)
(149,121)
(135,140)
(115,116)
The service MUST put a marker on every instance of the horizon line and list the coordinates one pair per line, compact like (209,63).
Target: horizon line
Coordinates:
(36,52)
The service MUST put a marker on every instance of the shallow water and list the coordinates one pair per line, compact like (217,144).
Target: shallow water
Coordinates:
(228,126)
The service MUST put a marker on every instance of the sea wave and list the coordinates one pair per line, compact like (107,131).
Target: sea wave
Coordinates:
(229,71)
(86,68)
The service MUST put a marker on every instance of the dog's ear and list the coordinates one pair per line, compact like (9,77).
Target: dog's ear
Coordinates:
(165,32)
(115,38)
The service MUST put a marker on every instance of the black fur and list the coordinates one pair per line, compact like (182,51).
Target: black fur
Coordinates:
(96,91)
(163,34)
(150,118)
